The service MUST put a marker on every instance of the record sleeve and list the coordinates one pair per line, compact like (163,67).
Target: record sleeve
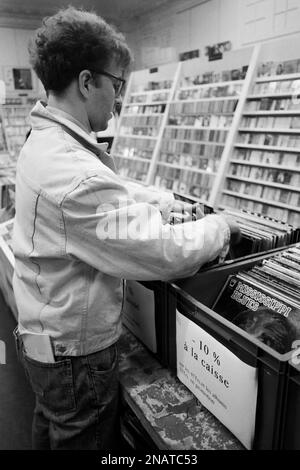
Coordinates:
(270,316)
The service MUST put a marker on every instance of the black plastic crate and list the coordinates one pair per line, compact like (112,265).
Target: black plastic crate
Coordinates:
(272,367)
(209,280)
(291,411)
(204,286)
(198,294)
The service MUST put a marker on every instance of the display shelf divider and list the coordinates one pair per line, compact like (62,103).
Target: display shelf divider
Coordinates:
(186,168)
(263,183)
(145,103)
(259,96)
(149,92)
(268,112)
(270,130)
(212,85)
(278,78)
(262,200)
(265,165)
(153,164)
(202,128)
(146,114)
(265,148)
(138,136)
(232,134)
(201,142)
(199,100)
(137,159)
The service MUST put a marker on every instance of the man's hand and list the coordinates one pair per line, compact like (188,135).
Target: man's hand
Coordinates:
(235,231)
(185,212)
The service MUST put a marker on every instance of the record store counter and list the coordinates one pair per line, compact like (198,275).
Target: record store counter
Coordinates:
(168,412)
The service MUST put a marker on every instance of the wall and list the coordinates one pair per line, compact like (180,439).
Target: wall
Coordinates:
(180,26)
(13,52)
(192,24)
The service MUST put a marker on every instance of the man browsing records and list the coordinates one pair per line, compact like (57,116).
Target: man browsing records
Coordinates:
(80,229)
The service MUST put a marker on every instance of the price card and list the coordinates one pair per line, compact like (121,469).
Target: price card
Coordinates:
(223,383)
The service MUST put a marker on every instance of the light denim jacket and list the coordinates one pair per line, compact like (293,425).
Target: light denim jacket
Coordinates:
(68,271)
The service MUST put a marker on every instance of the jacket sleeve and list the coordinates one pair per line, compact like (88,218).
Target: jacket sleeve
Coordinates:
(108,229)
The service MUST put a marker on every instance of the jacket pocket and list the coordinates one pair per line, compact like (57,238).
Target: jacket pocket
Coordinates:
(52,383)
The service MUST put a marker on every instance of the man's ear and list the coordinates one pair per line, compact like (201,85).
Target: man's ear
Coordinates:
(85,80)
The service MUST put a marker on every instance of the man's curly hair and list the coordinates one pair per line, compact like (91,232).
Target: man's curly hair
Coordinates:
(73,40)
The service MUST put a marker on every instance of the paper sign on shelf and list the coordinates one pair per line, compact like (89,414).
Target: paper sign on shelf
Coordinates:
(139,313)
(223,383)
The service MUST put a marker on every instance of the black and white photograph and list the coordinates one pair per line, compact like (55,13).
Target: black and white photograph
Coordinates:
(149,229)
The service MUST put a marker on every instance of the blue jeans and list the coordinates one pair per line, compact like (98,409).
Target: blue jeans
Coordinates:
(77,401)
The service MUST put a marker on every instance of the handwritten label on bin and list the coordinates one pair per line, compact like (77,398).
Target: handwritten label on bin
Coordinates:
(223,383)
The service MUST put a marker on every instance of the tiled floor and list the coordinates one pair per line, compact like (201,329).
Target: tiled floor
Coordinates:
(16,397)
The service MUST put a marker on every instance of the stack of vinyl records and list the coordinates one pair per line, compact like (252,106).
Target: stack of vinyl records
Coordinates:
(264,301)
(260,233)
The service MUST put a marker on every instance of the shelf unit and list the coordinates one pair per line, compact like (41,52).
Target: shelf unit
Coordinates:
(263,172)
(3,146)
(229,143)
(193,123)
(15,126)
(141,122)
(200,117)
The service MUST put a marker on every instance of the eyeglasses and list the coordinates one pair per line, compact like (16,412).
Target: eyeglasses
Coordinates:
(118,85)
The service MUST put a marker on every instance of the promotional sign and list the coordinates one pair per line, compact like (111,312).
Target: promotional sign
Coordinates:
(216,51)
(139,313)
(223,383)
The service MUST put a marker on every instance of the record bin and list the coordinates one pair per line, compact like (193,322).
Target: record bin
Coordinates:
(291,410)
(207,283)
(193,298)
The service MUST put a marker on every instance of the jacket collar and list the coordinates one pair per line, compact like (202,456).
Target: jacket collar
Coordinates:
(42,117)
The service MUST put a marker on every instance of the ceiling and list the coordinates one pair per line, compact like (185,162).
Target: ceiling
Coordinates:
(29,12)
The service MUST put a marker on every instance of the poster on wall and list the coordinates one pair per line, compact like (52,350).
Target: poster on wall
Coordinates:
(18,78)
(189,55)
(216,51)
(22,79)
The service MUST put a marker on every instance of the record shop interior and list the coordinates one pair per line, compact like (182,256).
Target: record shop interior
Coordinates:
(150,225)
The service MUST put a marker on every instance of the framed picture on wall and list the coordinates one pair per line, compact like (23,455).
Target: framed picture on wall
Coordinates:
(22,79)
(18,78)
